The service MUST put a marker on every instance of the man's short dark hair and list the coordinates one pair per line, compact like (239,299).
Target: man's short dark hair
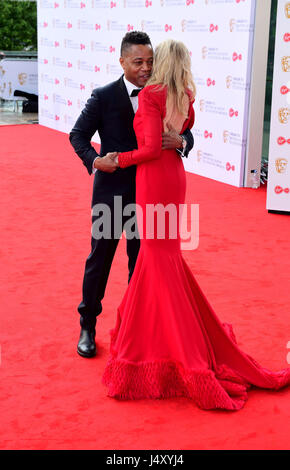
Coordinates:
(134,37)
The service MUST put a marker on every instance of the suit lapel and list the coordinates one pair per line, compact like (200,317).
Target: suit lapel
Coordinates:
(125,102)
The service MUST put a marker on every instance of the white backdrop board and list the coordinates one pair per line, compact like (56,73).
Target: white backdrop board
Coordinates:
(79,48)
(278,189)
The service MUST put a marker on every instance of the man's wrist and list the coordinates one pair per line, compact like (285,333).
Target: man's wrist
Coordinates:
(95,164)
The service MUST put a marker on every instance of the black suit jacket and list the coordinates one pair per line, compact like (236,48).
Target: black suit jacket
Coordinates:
(109,111)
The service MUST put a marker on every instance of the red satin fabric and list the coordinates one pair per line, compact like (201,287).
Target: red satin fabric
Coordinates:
(168,340)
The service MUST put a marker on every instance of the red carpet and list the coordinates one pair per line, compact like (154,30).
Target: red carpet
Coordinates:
(51,398)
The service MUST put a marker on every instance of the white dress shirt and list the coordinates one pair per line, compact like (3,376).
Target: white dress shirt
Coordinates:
(134,100)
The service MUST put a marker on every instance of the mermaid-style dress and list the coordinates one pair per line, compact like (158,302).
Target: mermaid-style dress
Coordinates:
(168,341)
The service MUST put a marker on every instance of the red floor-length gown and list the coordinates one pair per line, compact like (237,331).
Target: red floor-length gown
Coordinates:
(168,341)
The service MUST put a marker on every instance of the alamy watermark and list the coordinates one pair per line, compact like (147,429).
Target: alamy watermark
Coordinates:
(162,222)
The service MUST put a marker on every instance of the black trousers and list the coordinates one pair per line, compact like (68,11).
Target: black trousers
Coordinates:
(99,261)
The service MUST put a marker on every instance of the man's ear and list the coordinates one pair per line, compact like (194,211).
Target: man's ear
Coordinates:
(121,60)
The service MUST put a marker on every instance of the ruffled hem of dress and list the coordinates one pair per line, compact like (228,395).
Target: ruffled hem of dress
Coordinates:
(167,379)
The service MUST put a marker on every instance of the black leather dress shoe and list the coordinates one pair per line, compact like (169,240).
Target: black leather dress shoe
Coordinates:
(87,345)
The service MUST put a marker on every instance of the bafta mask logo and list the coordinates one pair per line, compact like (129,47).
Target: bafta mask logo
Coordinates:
(22,77)
(232,24)
(162,3)
(183,26)
(142,25)
(2,71)
(284,114)
(199,155)
(285,62)
(281,165)
(287,10)
(226,135)
(204,52)
(229,80)
(201,105)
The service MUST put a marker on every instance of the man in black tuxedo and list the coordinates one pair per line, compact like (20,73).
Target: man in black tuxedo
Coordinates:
(110,111)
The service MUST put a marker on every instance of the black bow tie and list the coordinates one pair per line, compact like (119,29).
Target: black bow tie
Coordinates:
(135,92)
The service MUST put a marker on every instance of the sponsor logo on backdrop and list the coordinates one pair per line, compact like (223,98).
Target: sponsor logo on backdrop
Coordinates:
(59,62)
(233,138)
(57,23)
(240,25)
(94,85)
(193,26)
(213,28)
(210,82)
(237,56)
(153,26)
(280,190)
(281,165)
(47,4)
(208,158)
(214,53)
(45,42)
(59,99)
(133,3)
(284,90)
(287,10)
(207,134)
(86,25)
(233,113)
(70,83)
(75,4)
(236,83)
(45,78)
(70,44)
(211,107)
(69,120)
(88,67)
(100,4)
(113,69)
(176,3)
(81,103)
(230,167)
(114,25)
(47,114)
(282,141)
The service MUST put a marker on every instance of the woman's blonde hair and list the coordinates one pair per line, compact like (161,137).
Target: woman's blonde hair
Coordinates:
(172,68)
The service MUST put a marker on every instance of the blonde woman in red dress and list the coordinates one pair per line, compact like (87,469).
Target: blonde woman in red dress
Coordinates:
(168,341)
